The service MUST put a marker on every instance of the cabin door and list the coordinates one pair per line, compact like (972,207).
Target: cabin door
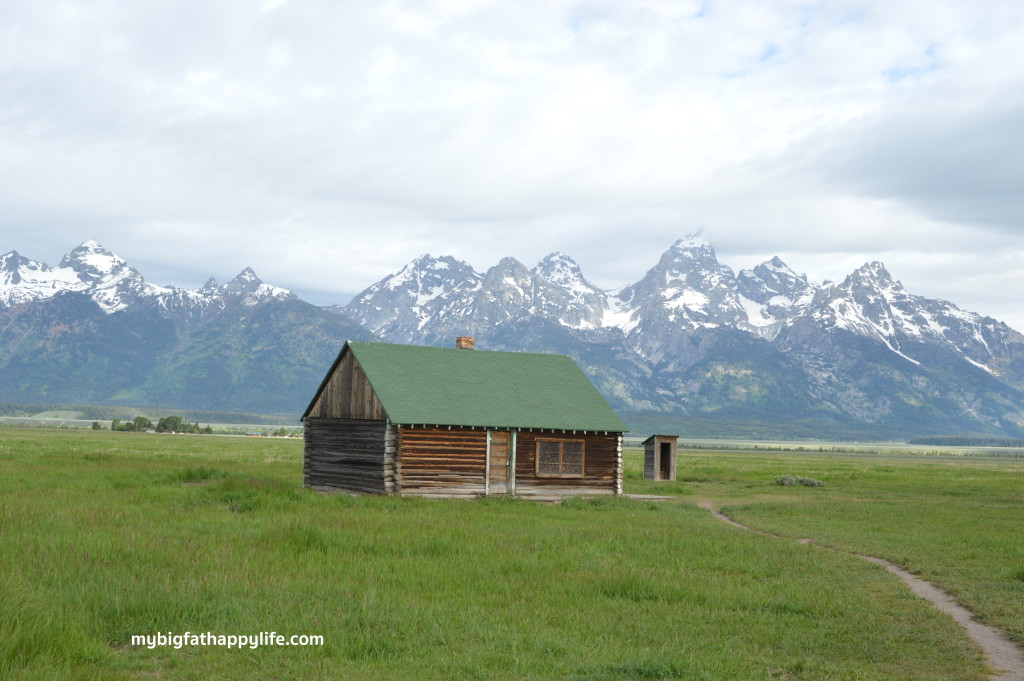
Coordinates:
(499,461)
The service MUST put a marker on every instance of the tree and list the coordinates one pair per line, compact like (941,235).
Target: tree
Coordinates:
(115,424)
(96,425)
(170,424)
(142,423)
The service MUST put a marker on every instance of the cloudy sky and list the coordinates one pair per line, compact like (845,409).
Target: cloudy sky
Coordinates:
(327,143)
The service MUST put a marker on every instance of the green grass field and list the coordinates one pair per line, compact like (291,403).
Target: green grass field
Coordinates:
(108,535)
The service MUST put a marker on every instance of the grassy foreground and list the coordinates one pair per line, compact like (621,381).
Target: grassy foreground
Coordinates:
(108,535)
(957,523)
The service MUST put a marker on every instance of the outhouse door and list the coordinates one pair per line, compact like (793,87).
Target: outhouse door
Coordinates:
(666,460)
(500,462)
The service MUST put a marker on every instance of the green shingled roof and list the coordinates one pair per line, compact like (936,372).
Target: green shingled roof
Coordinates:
(421,385)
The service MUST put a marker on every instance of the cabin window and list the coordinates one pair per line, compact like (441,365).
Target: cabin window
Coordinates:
(560,458)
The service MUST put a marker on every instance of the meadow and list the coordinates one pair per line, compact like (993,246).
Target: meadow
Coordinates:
(108,535)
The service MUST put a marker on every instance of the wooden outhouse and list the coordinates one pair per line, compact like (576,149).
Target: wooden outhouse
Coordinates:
(660,457)
(412,420)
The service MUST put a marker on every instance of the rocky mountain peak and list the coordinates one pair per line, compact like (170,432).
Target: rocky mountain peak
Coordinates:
(556,261)
(427,273)
(245,281)
(691,257)
(559,269)
(12,263)
(248,284)
(694,241)
(872,272)
(770,279)
(91,261)
(422,262)
(508,271)
(776,268)
(510,264)
(870,284)
(403,304)
(10,268)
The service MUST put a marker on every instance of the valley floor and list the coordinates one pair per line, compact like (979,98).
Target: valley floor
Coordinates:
(110,535)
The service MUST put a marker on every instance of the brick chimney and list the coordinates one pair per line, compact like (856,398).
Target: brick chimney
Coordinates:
(464,342)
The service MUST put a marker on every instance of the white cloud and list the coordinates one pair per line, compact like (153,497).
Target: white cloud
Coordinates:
(326,144)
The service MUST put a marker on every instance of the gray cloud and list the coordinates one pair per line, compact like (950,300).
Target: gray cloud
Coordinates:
(963,167)
(326,144)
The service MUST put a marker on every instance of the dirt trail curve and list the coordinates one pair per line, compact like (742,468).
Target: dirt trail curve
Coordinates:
(1002,654)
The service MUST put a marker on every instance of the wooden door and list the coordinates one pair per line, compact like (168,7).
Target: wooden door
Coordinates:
(498,462)
(666,461)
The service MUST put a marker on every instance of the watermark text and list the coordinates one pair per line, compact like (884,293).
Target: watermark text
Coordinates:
(253,641)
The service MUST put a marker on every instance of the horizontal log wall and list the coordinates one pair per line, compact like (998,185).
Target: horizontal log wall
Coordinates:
(348,454)
(375,457)
(437,461)
(602,468)
(348,395)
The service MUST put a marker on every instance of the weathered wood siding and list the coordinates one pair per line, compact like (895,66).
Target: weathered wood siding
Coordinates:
(375,457)
(438,461)
(650,465)
(348,395)
(653,458)
(356,455)
(602,471)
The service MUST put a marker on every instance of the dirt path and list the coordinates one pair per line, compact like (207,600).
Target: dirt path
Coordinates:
(1002,654)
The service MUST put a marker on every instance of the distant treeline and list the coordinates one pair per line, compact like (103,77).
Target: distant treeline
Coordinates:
(967,441)
(102,412)
(166,424)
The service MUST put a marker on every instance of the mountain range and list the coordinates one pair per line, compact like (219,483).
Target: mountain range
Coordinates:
(93,331)
(692,345)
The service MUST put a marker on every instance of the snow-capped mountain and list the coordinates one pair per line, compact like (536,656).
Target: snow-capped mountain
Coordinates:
(93,330)
(687,290)
(747,353)
(248,287)
(431,298)
(772,293)
(561,292)
(23,280)
(692,334)
(401,305)
(870,303)
(113,285)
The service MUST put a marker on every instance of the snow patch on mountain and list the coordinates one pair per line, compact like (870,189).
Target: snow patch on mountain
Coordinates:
(115,286)
(757,314)
(687,290)
(24,281)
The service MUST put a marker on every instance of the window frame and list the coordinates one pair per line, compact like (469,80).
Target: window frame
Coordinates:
(561,451)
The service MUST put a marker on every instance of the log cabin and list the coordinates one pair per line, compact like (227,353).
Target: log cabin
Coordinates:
(457,422)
